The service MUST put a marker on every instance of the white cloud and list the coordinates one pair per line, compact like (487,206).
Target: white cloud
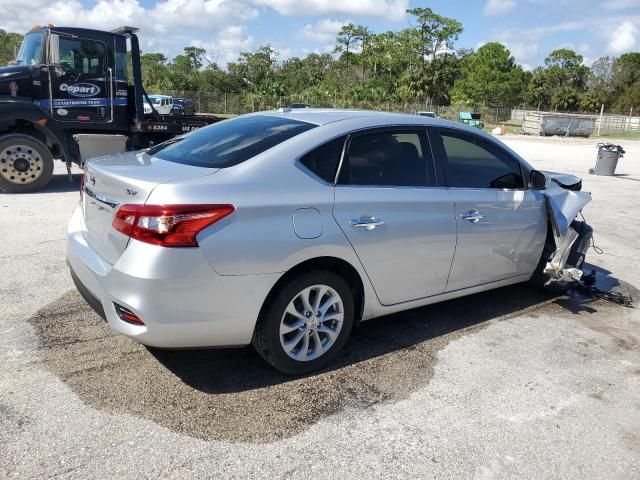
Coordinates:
(105,14)
(324,31)
(387,9)
(498,7)
(624,38)
(228,44)
(166,26)
(522,45)
(199,15)
(620,4)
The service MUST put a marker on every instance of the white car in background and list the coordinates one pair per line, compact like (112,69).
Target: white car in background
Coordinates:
(162,104)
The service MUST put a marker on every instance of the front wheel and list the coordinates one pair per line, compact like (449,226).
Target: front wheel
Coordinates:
(26,164)
(306,323)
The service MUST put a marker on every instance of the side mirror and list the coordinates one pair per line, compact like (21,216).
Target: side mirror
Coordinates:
(537,180)
(54,49)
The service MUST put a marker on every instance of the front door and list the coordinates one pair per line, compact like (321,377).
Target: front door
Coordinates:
(501,223)
(81,83)
(399,222)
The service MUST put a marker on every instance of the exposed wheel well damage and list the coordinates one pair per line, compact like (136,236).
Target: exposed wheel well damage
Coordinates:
(333,264)
(570,237)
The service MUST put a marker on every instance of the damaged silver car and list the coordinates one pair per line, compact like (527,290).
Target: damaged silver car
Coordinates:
(285,229)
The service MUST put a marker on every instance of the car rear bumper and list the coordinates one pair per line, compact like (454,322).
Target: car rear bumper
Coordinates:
(182,301)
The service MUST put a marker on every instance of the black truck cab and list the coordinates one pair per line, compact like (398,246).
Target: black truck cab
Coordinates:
(66,87)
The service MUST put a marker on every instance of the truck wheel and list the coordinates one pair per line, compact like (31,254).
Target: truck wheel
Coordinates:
(26,164)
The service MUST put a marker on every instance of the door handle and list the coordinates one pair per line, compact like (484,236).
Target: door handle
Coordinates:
(366,223)
(473,216)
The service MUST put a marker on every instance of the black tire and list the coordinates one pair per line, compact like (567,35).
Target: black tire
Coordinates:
(266,339)
(539,278)
(37,156)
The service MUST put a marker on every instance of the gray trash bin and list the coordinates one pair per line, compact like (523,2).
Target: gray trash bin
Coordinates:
(607,160)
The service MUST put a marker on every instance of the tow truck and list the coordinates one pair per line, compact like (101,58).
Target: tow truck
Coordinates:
(67,96)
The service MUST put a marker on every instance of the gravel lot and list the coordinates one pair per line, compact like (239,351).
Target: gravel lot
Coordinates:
(506,384)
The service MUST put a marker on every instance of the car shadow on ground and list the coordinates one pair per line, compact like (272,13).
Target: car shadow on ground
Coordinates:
(243,369)
(59,183)
(232,395)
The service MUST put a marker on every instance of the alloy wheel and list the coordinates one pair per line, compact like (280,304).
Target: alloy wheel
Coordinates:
(311,323)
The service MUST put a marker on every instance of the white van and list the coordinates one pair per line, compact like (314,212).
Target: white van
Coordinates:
(162,103)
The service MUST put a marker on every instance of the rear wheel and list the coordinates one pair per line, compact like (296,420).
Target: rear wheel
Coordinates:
(26,164)
(306,324)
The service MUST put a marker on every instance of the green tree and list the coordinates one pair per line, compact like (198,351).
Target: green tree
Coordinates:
(433,34)
(154,70)
(561,83)
(629,98)
(490,77)
(625,73)
(349,39)
(9,46)
(625,70)
(197,56)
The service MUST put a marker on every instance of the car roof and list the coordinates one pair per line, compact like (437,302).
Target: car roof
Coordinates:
(323,116)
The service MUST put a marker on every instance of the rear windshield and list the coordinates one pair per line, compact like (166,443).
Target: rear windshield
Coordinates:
(230,142)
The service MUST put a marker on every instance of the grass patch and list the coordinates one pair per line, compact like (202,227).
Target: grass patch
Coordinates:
(510,126)
(625,135)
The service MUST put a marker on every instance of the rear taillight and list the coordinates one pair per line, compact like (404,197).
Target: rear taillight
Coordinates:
(168,225)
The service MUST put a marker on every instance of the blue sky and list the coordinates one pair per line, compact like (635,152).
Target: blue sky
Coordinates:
(530,28)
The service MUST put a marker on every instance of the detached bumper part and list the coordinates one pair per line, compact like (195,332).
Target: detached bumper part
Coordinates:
(572,237)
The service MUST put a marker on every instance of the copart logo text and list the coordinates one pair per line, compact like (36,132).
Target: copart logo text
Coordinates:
(81,89)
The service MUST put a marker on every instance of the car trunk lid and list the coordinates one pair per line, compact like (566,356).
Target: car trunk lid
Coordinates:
(126,178)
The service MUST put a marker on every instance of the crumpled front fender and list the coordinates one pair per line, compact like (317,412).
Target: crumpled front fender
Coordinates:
(564,206)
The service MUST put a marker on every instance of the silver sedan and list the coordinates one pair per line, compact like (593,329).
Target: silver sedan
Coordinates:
(286,229)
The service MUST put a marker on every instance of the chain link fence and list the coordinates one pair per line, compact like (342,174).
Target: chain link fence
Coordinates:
(237,104)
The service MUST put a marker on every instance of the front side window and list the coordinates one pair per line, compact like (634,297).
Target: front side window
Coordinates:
(323,161)
(471,162)
(82,56)
(230,142)
(388,158)
(31,49)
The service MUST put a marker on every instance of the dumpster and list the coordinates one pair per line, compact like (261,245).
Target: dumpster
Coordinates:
(607,159)
(471,119)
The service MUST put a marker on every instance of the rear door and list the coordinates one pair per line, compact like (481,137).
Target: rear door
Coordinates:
(501,223)
(398,220)
(81,84)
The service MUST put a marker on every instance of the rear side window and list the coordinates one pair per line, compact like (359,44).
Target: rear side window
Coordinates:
(473,163)
(389,158)
(323,161)
(230,142)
